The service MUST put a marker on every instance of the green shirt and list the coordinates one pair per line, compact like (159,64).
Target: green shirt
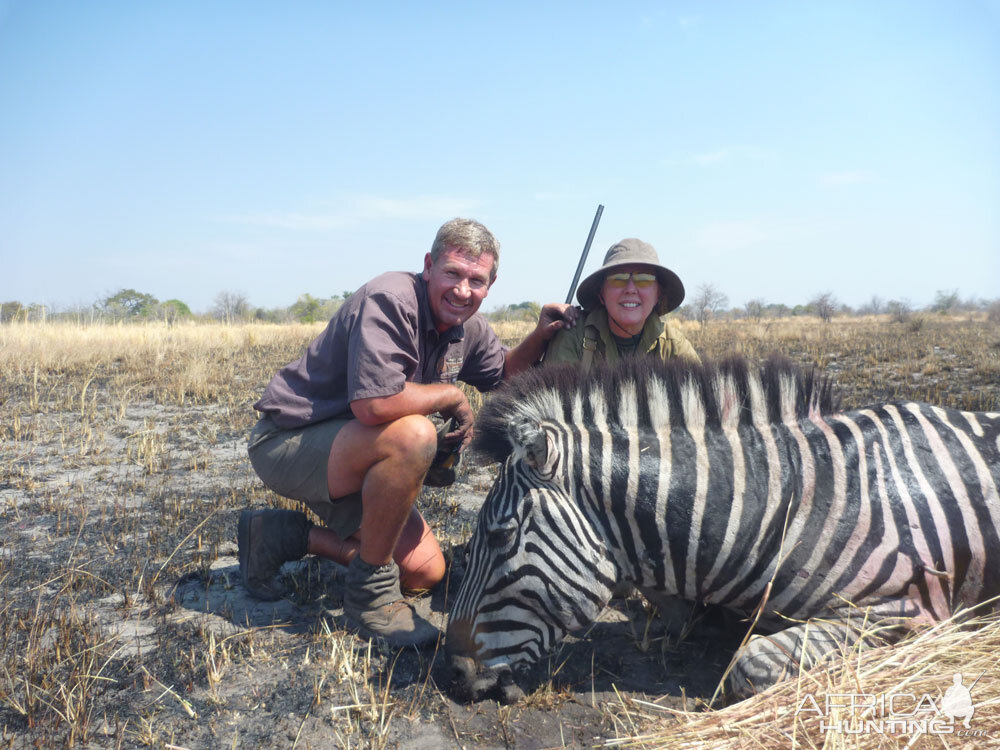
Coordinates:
(659,337)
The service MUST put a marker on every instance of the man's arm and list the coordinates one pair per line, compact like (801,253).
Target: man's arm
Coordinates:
(553,318)
(417,398)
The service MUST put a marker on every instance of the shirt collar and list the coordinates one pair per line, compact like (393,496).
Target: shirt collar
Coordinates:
(598,317)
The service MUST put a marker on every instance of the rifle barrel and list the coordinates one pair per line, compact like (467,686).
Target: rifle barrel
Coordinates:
(586,251)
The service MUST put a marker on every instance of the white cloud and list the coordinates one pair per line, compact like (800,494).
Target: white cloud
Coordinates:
(359,210)
(848,177)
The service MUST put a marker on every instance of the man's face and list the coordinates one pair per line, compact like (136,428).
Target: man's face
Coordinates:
(457,284)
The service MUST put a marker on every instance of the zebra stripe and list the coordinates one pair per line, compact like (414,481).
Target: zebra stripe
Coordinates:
(932,593)
(718,484)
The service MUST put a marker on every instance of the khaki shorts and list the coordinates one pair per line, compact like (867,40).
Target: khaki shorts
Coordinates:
(293,463)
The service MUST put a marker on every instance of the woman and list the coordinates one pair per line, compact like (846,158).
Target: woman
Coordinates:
(619,301)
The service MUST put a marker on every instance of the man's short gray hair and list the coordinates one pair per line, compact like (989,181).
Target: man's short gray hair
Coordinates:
(471,237)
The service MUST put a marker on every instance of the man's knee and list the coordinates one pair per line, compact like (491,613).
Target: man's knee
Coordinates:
(414,439)
(422,572)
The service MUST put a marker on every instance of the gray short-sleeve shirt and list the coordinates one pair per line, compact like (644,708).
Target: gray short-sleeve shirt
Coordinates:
(381,338)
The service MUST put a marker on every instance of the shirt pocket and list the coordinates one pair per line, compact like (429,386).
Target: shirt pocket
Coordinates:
(449,366)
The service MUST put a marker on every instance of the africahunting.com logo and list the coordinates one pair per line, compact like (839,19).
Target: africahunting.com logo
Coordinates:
(896,712)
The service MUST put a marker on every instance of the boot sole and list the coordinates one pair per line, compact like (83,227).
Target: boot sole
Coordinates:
(364,633)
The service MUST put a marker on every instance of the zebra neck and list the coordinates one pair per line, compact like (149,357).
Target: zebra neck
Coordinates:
(680,510)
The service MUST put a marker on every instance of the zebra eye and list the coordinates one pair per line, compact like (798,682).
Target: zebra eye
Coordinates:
(501,537)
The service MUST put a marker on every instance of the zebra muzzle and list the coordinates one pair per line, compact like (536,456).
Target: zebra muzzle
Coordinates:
(470,682)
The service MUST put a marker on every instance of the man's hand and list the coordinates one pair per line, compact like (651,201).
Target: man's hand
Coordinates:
(556,316)
(464,419)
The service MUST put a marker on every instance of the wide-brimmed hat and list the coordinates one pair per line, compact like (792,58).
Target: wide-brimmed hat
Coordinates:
(626,253)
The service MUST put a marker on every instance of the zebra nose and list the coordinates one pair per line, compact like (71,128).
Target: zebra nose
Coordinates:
(470,682)
(463,673)
(510,691)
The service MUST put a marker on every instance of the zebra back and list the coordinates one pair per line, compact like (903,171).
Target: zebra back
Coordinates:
(667,394)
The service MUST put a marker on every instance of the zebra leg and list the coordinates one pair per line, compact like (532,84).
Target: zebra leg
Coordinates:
(767,659)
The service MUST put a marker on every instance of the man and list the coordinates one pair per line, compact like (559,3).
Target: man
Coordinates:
(345,428)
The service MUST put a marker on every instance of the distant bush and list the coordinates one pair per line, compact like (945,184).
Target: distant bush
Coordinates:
(231,307)
(824,306)
(10,310)
(993,311)
(523,311)
(309,309)
(899,310)
(708,303)
(173,309)
(128,303)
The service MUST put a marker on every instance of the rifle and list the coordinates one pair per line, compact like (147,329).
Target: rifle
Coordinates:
(586,251)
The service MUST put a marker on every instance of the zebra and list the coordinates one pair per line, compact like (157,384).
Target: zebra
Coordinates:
(727,484)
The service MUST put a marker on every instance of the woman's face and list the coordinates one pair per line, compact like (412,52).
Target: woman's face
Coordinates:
(629,302)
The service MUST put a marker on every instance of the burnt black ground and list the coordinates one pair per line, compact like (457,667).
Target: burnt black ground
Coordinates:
(122,623)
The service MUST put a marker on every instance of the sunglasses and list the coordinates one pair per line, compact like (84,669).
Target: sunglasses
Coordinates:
(620,280)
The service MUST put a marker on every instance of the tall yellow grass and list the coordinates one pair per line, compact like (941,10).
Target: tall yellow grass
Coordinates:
(810,712)
(70,347)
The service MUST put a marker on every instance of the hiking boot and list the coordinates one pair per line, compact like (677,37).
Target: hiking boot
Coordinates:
(267,539)
(375,607)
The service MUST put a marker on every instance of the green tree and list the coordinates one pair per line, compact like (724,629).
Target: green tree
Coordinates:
(271,315)
(174,309)
(10,310)
(329,307)
(307,309)
(128,303)
(528,311)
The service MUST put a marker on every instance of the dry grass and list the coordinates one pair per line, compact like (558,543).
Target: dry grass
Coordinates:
(172,364)
(122,467)
(815,710)
(948,361)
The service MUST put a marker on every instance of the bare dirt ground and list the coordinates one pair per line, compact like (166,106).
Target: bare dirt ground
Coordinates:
(92,549)
(123,621)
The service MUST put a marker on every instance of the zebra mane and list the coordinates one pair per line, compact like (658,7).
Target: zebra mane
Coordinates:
(643,392)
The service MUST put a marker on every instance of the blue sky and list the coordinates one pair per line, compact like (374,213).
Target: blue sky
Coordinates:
(774,149)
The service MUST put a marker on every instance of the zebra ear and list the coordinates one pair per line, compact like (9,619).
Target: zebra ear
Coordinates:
(531,442)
